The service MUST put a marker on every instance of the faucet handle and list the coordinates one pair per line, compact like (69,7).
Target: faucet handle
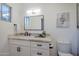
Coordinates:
(26,33)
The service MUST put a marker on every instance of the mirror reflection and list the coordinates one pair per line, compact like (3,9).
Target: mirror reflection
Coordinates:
(34,22)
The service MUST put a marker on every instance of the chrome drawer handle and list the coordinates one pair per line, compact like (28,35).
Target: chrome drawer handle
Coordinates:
(18,49)
(39,53)
(39,45)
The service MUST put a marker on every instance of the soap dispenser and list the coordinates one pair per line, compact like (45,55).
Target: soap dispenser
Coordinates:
(15,28)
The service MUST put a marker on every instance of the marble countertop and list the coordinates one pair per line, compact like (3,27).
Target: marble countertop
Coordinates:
(30,38)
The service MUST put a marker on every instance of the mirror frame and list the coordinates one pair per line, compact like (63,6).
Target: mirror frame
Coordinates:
(42,24)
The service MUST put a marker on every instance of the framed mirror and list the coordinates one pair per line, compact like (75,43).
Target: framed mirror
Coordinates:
(34,23)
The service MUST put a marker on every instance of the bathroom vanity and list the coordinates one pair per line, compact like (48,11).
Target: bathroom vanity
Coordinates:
(29,46)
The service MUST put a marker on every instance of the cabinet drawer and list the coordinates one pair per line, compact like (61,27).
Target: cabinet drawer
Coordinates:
(19,42)
(40,45)
(39,52)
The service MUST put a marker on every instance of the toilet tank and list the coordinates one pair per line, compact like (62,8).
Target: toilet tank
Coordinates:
(64,46)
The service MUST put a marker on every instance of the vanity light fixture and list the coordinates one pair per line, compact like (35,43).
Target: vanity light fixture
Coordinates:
(33,12)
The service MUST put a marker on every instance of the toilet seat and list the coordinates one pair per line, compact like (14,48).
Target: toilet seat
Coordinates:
(64,54)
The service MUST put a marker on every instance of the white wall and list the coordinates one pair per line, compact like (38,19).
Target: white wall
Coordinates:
(7,28)
(50,16)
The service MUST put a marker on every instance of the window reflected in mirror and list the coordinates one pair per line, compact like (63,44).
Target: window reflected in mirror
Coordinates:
(34,23)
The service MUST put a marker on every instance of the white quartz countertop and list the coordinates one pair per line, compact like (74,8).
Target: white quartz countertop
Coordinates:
(30,38)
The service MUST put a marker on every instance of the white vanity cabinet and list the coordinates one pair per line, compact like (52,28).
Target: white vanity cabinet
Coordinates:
(28,47)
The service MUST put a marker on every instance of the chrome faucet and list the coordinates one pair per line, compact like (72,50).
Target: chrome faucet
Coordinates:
(27,34)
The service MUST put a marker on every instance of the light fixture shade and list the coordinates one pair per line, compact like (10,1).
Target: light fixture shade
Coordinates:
(33,12)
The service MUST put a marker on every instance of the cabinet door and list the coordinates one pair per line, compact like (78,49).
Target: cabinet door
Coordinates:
(18,50)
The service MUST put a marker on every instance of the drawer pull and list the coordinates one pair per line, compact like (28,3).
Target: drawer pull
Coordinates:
(39,45)
(39,53)
(18,49)
(51,47)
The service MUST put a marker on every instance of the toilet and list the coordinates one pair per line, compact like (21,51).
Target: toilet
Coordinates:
(64,48)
